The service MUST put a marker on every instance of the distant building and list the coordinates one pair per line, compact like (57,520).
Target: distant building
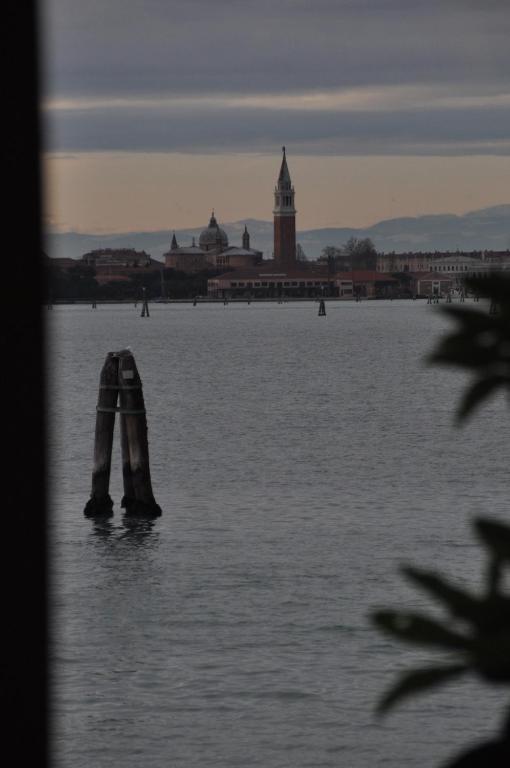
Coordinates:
(186,258)
(460,265)
(285,275)
(284,221)
(61,262)
(366,283)
(433,284)
(271,280)
(300,281)
(212,252)
(122,257)
(114,264)
(465,263)
(499,259)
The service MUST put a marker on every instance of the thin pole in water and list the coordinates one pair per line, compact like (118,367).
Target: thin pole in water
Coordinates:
(145,306)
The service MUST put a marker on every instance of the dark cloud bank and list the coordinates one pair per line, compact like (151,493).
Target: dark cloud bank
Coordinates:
(161,48)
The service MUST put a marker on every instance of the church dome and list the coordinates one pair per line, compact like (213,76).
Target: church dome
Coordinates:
(209,236)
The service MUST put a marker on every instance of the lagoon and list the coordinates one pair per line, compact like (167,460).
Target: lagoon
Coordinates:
(298,460)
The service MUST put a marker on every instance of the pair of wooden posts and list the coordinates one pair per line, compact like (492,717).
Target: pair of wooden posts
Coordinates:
(120,381)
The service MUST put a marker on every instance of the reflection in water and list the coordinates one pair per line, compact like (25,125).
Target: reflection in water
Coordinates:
(103,527)
(137,531)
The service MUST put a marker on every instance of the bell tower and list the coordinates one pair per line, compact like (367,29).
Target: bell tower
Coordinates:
(246,238)
(284,217)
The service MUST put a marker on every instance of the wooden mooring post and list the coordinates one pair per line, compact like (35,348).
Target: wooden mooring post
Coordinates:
(322,308)
(121,381)
(132,409)
(100,502)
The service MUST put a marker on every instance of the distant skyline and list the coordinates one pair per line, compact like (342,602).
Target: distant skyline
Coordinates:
(155,112)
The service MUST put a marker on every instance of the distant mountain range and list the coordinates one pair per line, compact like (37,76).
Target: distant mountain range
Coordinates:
(485,229)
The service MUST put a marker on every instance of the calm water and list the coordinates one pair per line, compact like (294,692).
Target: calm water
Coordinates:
(298,460)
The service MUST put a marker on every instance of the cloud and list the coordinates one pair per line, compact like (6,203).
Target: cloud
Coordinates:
(367,98)
(446,130)
(135,47)
(332,76)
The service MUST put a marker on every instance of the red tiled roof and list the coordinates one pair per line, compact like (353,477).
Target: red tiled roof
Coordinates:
(63,262)
(437,276)
(365,276)
(272,270)
(102,279)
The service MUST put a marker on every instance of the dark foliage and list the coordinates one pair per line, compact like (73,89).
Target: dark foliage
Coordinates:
(476,632)
(79,282)
(481,343)
(76,283)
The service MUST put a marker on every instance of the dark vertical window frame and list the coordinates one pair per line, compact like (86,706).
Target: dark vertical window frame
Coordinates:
(23,564)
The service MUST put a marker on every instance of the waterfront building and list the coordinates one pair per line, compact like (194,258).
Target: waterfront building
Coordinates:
(270,280)
(366,283)
(468,263)
(309,281)
(459,265)
(434,284)
(212,252)
(499,260)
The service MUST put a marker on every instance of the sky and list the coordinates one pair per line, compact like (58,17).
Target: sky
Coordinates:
(155,112)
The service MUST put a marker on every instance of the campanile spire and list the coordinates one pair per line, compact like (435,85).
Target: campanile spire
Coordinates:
(284,216)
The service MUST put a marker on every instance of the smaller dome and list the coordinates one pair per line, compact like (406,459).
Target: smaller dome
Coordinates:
(209,236)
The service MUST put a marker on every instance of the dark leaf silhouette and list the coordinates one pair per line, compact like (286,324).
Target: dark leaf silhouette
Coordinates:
(495,287)
(419,680)
(491,656)
(493,754)
(479,391)
(414,628)
(480,344)
(487,614)
(496,536)
(459,602)
(461,349)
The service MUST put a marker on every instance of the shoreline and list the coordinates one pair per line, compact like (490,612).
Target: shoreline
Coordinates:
(206,300)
